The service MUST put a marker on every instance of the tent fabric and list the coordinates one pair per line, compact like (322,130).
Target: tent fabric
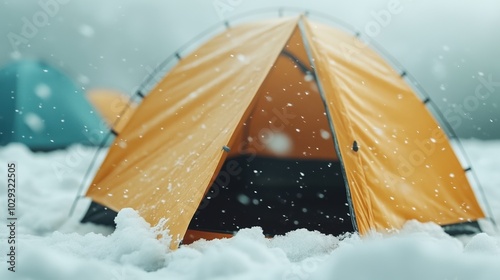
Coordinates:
(292,90)
(166,156)
(43,109)
(405,167)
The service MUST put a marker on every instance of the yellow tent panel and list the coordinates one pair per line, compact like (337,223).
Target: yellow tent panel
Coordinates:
(405,167)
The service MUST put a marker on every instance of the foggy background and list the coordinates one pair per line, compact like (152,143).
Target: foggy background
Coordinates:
(451,47)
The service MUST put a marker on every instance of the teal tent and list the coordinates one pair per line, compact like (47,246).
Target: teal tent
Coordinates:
(44,109)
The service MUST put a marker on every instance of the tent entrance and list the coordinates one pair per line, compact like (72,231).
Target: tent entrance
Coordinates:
(272,193)
(282,172)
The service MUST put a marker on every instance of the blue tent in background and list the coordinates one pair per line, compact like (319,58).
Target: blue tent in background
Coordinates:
(44,109)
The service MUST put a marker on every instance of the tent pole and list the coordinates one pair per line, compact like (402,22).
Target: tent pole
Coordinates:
(87,174)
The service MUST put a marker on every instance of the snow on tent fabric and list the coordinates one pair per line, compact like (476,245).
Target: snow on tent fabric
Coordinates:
(43,109)
(319,137)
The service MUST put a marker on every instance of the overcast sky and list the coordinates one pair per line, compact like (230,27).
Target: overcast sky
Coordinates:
(451,47)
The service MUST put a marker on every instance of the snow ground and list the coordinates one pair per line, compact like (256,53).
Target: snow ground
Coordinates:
(52,246)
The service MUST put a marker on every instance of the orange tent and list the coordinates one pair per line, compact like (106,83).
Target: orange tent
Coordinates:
(283,124)
(113,106)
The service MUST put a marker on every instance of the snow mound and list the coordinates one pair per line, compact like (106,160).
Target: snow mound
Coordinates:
(411,255)
(132,243)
